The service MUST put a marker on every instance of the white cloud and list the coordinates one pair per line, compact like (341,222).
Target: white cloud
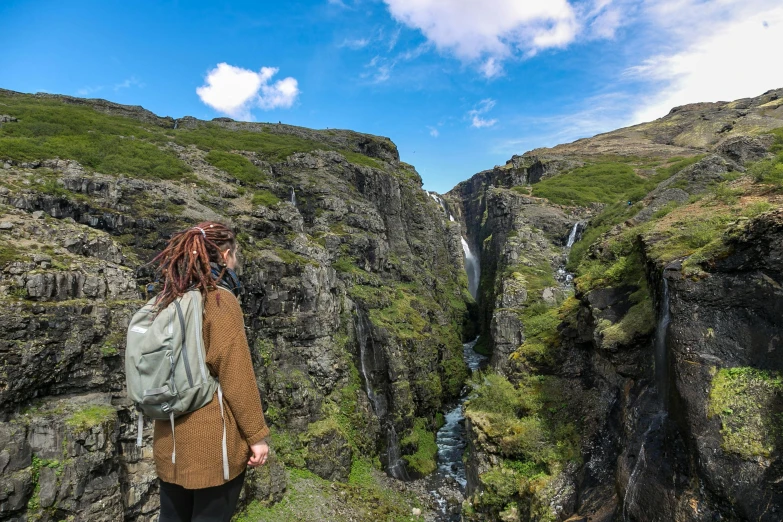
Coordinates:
(730,60)
(86,91)
(487,32)
(476,119)
(130,82)
(433,131)
(355,43)
(235,91)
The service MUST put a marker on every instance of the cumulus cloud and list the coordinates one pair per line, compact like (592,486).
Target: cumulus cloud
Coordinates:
(487,32)
(235,91)
(730,60)
(475,115)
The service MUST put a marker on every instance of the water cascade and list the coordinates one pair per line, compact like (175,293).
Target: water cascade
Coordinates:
(293,196)
(661,334)
(572,237)
(653,434)
(472,268)
(562,275)
(371,366)
(632,489)
(396,466)
(438,200)
(451,438)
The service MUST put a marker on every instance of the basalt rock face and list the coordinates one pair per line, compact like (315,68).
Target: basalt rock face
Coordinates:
(654,392)
(333,230)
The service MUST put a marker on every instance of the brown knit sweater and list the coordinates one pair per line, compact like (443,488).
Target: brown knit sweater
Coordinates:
(199,434)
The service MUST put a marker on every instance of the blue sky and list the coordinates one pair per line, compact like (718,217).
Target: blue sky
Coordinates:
(459,85)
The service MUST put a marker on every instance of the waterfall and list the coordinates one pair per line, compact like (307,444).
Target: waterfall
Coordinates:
(293,197)
(451,218)
(368,363)
(396,467)
(439,201)
(472,268)
(661,335)
(632,489)
(175,124)
(573,234)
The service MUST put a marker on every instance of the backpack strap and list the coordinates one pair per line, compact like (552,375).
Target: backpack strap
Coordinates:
(225,449)
(139,428)
(173,439)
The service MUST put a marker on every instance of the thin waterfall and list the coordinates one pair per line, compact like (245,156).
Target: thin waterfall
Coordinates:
(472,268)
(632,489)
(368,364)
(451,218)
(661,335)
(396,467)
(293,196)
(573,235)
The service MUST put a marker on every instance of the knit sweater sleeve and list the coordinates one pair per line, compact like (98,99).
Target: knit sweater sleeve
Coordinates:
(229,359)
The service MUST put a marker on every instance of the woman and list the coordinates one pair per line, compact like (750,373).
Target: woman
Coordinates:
(193,489)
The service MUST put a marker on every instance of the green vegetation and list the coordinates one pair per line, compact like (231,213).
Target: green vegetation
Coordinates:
(309,497)
(770,171)
(49,128)
(265,198)
(90,416)
(602,183)
(238,166)
(34,503)
(749,403)
(532,425)
(609,181)
(9,253)
(422,440)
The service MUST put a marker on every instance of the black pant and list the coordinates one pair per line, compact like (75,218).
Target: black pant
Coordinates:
(216,504)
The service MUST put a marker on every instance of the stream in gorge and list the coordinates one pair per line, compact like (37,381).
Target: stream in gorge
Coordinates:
(452,440)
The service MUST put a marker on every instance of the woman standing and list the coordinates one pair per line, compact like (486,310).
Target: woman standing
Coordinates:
(193,488)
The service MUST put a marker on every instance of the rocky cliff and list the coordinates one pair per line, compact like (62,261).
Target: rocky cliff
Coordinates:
(627,289)
(354,288)
(651,388)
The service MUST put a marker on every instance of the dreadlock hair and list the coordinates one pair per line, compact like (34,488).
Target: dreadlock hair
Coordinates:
(185,262)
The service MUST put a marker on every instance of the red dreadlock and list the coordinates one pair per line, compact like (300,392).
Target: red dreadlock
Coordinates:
(185,262)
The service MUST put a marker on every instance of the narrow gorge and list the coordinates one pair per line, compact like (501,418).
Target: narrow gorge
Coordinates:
(588,332)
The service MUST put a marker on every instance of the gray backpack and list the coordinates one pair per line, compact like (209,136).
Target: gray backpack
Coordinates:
(165,364)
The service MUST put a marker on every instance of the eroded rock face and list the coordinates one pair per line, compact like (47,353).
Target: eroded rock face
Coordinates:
(355,237)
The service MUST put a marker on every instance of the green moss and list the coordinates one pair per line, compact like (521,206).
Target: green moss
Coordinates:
(238,166)
(748,402)
(346,265)
(422,441)
(638,321)
(90,416)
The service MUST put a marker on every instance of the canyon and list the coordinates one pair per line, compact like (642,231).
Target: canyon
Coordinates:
(595,325)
